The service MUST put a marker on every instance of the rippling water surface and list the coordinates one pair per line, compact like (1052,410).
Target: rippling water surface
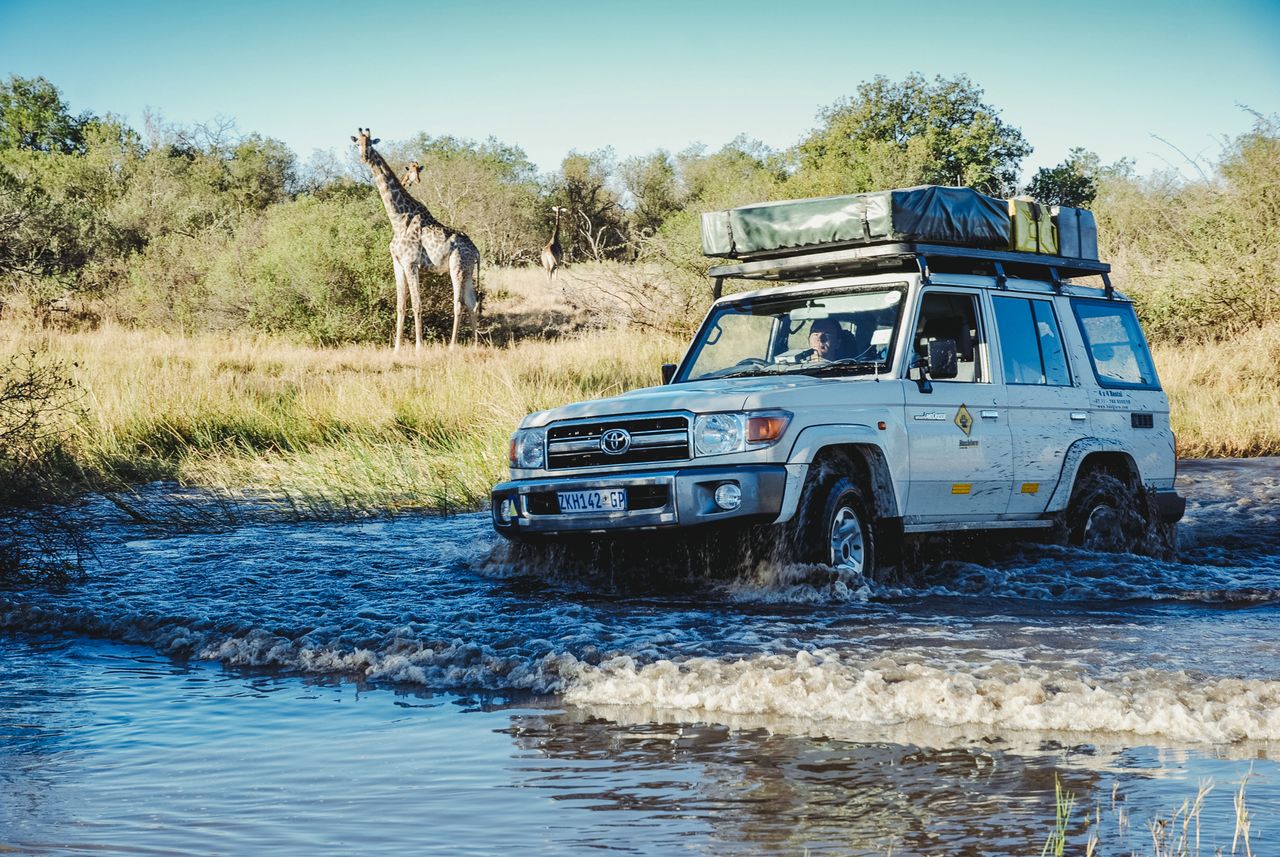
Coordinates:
(398,684)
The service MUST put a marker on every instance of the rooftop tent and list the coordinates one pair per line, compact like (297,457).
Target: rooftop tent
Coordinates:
(929,213)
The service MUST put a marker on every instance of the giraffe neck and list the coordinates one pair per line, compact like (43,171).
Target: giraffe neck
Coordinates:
(399,204)
(555,236)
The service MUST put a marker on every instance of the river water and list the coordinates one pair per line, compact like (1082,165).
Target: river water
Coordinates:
(401,686)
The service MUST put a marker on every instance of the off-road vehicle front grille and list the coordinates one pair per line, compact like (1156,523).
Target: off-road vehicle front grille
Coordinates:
(658,438)
(640,498)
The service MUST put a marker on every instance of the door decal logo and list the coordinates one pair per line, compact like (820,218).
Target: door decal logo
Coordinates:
(964,419)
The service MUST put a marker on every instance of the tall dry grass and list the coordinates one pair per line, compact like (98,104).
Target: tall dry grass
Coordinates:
(1225,397)
(1107,827)
(362,429)
(356,427)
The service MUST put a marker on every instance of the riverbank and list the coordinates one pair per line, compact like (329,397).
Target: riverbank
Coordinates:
(362,430)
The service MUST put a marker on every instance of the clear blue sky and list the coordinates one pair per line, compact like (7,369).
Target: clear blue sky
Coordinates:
(561,76)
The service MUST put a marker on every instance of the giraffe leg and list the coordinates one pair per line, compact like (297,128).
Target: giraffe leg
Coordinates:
(464,294)
(402,289)
(474,289)
(415,295)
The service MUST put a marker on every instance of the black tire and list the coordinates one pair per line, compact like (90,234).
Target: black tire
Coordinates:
(1104,514)
(834,526)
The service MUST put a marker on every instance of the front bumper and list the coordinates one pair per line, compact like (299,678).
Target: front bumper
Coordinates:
(655,499)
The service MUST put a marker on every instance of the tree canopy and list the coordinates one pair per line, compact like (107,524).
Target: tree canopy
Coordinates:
(895,134)
(33,116)
(1071,182)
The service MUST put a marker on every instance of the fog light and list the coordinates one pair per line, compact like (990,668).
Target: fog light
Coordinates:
(506,510)
(728,496)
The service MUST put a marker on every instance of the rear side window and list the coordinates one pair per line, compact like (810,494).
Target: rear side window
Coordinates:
(1115,344)
(1030,342)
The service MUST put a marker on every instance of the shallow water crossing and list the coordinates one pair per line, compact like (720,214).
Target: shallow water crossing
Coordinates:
(394,685)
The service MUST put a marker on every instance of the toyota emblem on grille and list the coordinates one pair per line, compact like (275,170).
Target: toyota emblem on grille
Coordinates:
(615,441)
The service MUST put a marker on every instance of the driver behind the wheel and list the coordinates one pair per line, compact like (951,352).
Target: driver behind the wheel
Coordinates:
(827,341)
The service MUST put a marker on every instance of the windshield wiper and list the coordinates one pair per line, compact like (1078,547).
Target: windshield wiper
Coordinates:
(747,373)
(848,365)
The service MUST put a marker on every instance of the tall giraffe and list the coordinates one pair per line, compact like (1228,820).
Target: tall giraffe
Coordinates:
(552,254)
(419,244)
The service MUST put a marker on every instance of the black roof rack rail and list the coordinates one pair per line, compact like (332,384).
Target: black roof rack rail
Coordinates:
(823,264)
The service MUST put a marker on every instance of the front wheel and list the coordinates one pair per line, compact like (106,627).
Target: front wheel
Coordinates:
(834,527)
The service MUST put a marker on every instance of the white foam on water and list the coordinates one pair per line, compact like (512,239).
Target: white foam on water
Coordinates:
(826,685)
(769,582)
(451,664)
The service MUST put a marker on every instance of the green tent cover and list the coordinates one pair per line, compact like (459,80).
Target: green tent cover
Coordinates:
(929,213)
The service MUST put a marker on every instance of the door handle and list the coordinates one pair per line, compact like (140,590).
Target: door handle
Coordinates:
(1079,415)
(991,415)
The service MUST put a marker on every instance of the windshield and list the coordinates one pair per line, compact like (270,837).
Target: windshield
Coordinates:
(848,333)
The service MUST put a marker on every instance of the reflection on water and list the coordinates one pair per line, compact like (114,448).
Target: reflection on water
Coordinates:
(388,685)
(110,748)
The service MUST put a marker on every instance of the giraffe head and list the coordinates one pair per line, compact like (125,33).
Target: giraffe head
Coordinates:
(364,144)
(411,174)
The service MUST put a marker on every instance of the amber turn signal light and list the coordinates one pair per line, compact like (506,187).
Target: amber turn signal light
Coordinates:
(766,429)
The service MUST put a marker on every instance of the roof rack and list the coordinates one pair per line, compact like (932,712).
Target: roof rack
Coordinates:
(923,258)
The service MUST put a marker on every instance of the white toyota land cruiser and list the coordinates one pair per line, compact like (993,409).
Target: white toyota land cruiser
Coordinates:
(866,393)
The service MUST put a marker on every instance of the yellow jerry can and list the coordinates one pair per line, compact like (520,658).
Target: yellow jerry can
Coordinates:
(1031,227)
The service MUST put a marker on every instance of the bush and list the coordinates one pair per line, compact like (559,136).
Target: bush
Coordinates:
(1200,258)
(317,270)
(37,401)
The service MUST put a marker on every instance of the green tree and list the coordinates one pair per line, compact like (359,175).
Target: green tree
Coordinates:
(33,116)
(314,269)
(1071,182)
(892,134)
(669,289)
(595,222)
(742,171)
(652,184)
(30,227)
(1199,256)
(488,189)
(260,172)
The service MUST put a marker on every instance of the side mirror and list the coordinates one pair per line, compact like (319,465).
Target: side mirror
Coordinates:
(668,372)
(920,365)
(942,358)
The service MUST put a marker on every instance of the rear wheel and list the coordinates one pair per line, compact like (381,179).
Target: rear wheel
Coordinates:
(1104,515)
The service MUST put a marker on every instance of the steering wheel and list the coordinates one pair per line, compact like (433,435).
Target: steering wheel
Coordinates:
(752,361)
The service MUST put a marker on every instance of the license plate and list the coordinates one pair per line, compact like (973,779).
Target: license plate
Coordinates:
(609,500)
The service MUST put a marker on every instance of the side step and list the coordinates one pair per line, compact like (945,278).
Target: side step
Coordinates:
(954,526)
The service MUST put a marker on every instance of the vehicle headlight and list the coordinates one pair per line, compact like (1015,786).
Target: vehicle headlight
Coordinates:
(717,434)
(528,448)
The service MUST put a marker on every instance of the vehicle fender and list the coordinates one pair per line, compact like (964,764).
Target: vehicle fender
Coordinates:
(1076,454)
(809,442)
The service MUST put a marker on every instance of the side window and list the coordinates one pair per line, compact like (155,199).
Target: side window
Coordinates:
(1115,344)
(1030,342)
(951,317)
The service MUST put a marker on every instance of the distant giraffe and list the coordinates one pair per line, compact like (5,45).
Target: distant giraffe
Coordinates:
(420,243)
(411,174)
(552,254)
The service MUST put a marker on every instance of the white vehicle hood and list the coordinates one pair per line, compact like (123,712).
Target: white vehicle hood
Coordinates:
(701,397)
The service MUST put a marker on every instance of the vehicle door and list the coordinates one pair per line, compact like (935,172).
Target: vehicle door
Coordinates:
(958,434)
(1048,406)
(1128,406)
